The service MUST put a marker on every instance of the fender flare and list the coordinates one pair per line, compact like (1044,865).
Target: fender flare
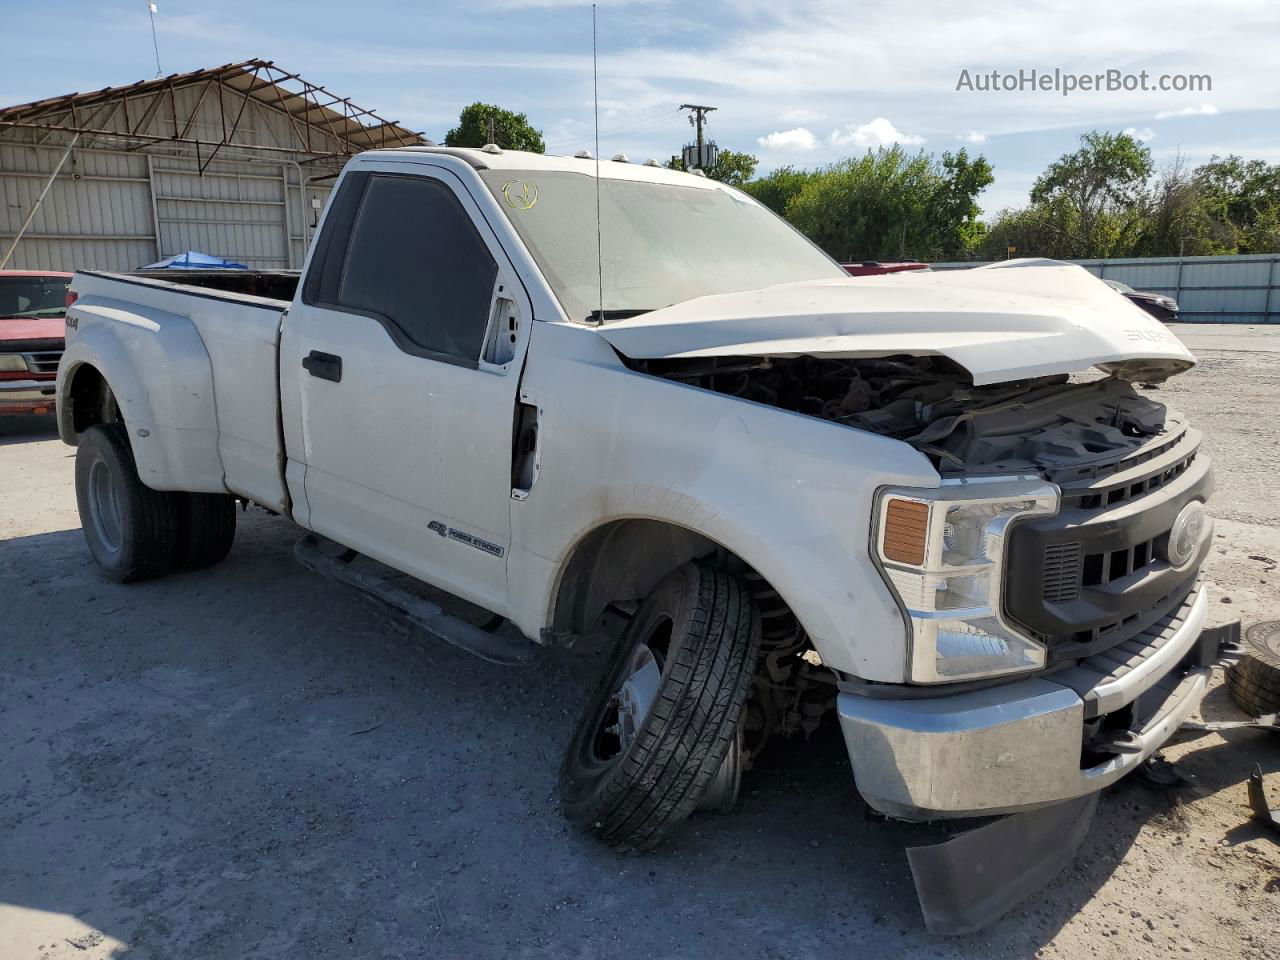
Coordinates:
(159,372)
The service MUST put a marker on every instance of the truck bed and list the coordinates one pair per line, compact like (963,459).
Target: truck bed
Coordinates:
(269,284)
(204,353)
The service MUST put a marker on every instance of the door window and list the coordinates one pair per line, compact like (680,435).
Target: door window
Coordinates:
(416,263)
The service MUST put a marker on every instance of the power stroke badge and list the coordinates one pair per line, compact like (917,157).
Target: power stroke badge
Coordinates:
(469,539)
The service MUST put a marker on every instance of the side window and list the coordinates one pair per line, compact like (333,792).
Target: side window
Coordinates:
(416,261)
(321,283)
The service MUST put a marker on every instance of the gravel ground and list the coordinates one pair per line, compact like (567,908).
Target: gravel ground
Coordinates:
(245,762)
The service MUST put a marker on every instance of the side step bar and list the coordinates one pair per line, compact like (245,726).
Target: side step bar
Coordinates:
(428,616)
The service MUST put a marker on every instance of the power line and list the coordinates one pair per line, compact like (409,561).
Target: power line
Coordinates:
(640,125)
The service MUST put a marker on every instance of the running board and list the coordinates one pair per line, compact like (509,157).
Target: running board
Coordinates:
(424,614)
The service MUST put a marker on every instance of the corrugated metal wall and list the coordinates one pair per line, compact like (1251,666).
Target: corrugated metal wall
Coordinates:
(98,211)
(1244,289)
(120,208)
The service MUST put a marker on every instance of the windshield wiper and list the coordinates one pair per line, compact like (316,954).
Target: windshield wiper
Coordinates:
(604,316)
(55,311)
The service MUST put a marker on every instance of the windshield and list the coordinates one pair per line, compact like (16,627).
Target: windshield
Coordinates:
(33,296)
(1118,286)
(662,243)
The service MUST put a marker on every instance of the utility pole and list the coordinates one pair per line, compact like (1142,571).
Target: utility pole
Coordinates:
(697,118)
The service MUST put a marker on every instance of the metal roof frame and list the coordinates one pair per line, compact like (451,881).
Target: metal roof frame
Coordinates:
(313,109)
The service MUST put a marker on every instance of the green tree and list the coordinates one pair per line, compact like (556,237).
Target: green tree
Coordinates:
(1242,200)
(731,167)
(511,130)
(1104,201)
(1177,219)
(1102,185)
(889,204)
(1033,231)
(776,190)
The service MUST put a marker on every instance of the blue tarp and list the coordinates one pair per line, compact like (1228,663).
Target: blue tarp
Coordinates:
(194,260)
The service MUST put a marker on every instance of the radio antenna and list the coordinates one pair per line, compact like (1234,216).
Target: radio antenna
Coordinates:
(595,98)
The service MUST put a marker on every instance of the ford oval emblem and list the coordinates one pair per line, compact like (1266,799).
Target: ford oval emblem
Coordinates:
(1184,535)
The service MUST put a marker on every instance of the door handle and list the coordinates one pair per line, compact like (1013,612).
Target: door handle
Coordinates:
(326,366)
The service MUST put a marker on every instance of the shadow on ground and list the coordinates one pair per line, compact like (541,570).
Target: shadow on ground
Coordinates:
(247,762)
(25,428)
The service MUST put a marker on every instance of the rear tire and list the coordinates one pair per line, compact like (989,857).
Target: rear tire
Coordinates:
(132,531)
(208,523)
(632,777)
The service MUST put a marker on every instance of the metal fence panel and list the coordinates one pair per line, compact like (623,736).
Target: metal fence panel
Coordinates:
(1242,289)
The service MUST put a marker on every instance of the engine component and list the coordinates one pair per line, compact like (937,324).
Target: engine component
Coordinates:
(1044,425)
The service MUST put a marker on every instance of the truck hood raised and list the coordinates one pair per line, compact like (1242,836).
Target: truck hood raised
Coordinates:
(1007,321)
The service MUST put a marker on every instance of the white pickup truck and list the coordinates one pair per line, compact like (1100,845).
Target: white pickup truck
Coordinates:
(577,394)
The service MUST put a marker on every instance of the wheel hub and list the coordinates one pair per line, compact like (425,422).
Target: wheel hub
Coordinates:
(104,501)
(637,694)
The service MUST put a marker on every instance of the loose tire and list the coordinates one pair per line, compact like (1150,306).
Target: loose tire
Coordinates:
(1254,681)
(631,775)
(133,531)
(208,524)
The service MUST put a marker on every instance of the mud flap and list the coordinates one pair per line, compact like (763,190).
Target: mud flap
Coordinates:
(971,880)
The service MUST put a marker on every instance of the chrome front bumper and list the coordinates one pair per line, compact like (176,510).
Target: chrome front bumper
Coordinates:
(1019,746)
(14,390)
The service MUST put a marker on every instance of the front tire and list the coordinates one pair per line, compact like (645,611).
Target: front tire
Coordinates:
(654,736)
(132,530)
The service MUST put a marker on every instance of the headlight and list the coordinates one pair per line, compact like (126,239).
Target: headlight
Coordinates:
(10,362)
(942,552)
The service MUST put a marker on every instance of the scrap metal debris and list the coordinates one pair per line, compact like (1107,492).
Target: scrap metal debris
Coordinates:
(1258,801)
(1158,772)
(1270,722)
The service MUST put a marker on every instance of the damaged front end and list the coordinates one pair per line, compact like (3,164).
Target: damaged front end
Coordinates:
(1103,585)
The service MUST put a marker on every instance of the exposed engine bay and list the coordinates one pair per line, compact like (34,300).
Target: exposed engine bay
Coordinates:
(1046,425)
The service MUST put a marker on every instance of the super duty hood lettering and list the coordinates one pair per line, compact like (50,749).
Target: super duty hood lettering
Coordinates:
(1008,321)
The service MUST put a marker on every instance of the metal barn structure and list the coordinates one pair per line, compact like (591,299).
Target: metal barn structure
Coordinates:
(234,161)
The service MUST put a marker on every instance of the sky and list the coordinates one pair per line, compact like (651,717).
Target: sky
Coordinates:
(799,83)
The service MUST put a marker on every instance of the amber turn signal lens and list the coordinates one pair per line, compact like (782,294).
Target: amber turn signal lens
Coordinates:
(906,529)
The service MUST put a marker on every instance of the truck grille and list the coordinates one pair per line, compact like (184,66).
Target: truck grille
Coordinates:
(1095,575)
(46,361)
(1125,492)
(1062,571)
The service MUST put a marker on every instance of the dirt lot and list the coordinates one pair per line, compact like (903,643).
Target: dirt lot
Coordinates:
(246,763)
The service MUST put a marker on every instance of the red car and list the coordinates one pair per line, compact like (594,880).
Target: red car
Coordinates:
(33,304)
(876,268)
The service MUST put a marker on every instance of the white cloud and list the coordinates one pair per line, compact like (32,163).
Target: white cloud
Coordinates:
(801,115)
(878,133)
(796,140)
(1145,134)
(973,136)
(1205,110)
